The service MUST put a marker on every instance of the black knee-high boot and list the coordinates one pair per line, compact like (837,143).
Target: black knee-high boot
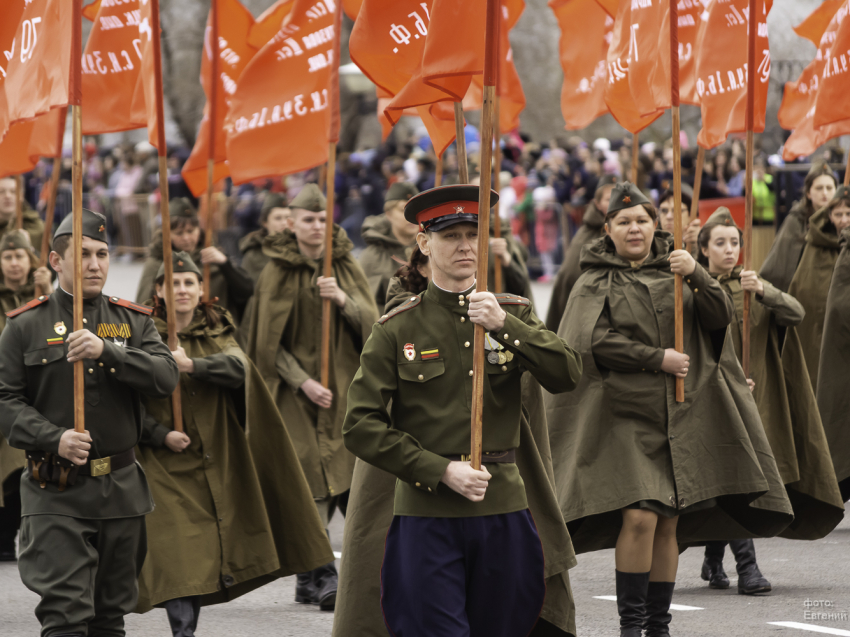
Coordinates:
(631,602)
(658,598)
(183,613)
(750,579)
(712,565)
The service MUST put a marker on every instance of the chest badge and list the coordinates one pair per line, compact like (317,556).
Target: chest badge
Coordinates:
(409,351)
(60,328)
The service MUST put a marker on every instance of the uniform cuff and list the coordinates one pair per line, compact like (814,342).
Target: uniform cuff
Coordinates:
(158,435)
(771,296)
(49,440)
(654,360)
(202,368)
(514,333)
(428,471)
(112,357)
(698,280)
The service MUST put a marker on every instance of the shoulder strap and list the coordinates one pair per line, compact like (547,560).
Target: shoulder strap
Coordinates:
(512,299)
(28,306)
(411,303)
(141,309)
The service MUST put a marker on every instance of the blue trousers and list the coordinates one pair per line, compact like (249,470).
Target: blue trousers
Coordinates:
(462,577)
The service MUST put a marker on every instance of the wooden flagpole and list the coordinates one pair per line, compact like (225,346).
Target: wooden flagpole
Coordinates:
(635,158)
(497,167)
(748,215)
(19,202)
(47,236)
(168,262)
(74,100)
(697,187)
(460,138)
(478,373)
(330,180)
(847,171)
(677,186)
(438,173)
(213,114)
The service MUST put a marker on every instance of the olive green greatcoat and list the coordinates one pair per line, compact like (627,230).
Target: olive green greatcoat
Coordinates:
(787,248)
(788,409)
(233,511)
(810,286)
(370,512)
(833,397)
(32,224)
(377,259)
(621,438)
(592,228)
(284,316)
(251,247)
(229,283)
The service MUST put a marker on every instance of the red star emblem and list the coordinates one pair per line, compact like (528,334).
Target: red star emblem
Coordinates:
(102,228)
(180,263)
(627,199)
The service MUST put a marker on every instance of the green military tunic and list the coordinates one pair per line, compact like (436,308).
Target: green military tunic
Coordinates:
(233,510)
(787,407)
(810,286)
(403,439)
(833,397)
(382,257)
(621,438)
(33,225)
(283,337)
(787,248)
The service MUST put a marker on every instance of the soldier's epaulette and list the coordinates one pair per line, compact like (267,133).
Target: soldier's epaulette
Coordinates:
(512,299)
(28,306)
(142,309)
(411,303)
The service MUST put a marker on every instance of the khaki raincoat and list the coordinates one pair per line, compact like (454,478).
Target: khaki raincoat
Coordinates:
(621,438)
(810,286)
(788,410)
(233,510)
(787,248)
(283,330)
(253,258)
(377,259)
(833,394)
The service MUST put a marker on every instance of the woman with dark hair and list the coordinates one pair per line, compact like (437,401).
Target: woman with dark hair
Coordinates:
(786,406)
(810,284)
(274,217)
(635,469)
(228,283)
(784,255)
(233,509)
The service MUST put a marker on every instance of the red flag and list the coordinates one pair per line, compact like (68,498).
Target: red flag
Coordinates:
(235,23)
(691,16)
(27,141)
(831,101)
(814,26)
(279,120)
(146,80)
(586,30)
(269,23)
(113,99)
(722,70)
(638,88)
(35,67)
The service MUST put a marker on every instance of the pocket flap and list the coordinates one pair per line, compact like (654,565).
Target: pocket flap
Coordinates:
(421,371)
(44,355)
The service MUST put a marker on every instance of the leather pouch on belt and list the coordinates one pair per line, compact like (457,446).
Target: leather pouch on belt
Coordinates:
(48,467)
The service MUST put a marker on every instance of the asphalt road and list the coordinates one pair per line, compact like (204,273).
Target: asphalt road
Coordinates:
(811,584)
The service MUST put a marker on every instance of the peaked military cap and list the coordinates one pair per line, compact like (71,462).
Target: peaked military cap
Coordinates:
(182,263)
(273,200)
(439,208)
(15,240)
(626,195)
(310,198)
(401,191)
(94,226)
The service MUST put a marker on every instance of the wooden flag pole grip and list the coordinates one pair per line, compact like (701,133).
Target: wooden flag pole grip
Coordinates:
(327,270)
(209,231)
(77,240)
(678,306)
(462,165)
(748,214)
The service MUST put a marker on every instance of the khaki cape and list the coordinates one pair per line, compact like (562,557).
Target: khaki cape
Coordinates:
(833,394)
(377,259)
(370,512)
(286,309)
(251,247)
(621,438)
(787,248)
(233,511)
(788,410)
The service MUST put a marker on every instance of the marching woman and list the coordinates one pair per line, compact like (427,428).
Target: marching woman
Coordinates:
(233,509)
(786,405)
(811,281)
(634,469)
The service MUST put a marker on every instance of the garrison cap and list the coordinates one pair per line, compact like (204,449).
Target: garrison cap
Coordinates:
(605,180)
(842,192)
(720,217)
(626,195)
(94,226)
(442,207)
(401,191)
(310,198)
(182,263)
(181,207)
(273,200)
(15,240)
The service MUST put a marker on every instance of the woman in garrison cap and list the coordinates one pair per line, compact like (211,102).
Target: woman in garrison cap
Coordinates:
(634,469)
(233,510)
(810,284)
(786,404)
(787,248)
(274,216)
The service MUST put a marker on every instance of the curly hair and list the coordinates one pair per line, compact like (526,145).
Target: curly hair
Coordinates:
(409,275)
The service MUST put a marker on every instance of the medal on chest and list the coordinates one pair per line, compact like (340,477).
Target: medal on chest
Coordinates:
(409,351)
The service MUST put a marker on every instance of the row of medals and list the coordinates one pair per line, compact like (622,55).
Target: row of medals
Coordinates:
(499,357)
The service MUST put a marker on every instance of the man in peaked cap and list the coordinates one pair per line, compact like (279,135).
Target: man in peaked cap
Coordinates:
(83,496)
(455,562)
(389,239)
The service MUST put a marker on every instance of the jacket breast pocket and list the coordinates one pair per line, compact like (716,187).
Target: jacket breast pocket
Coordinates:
(44,356)
(421,371)
(501,368)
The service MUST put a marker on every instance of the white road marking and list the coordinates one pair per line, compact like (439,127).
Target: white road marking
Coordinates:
(812,628)
(337,554)
(613,598)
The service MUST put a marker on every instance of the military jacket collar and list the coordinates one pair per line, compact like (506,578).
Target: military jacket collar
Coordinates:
(66,299)
(444,297)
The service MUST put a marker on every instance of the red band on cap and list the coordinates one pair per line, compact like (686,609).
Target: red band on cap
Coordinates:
(448,208)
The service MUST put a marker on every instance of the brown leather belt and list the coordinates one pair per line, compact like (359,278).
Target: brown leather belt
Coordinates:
(489,457)
(102,466)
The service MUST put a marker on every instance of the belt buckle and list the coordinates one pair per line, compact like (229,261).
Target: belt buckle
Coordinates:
(101,467)
(466,457)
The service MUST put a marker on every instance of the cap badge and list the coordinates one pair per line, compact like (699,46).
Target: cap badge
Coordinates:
(102,228)
(627,199)
(60,328)
(11,244)
(459,209)
(409,351)
(180,263)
